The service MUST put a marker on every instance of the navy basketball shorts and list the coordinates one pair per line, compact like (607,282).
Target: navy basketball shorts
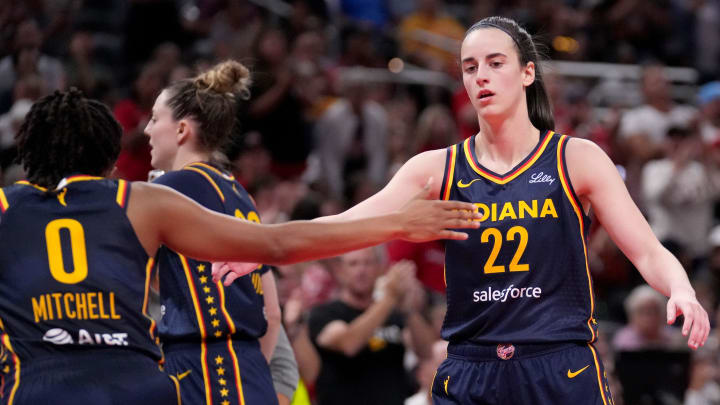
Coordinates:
(566,373)
(94,377)
(223,372)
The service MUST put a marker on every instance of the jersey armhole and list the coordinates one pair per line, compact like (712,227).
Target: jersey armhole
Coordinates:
(123,193)
(449,172)
(567,183)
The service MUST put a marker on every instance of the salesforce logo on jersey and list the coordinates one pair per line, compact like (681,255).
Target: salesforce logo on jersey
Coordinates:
(511,292)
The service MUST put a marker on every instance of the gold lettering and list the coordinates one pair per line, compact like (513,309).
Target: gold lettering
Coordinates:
(523,208)
(493,207)
(485,211)
(39,308)
(507,211)
(113,314)
(548,209)
(68,307)
(103,315)
(49,307)
(92,305)
(58,306)
(81,305)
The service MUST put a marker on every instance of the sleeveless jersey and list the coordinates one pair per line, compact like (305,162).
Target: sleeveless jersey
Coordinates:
(522,277)
(194,307)
(73,274)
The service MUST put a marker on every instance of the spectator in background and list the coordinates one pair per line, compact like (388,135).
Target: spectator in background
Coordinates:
(351,138)
(360,337)
(708,276)
(275,111)
(235,29)
(646,328)
(703,387)
(83,71)
(709,103)
(27,59)
(679,191)
(426,372)
(430,37)
(133,113)
(643,129)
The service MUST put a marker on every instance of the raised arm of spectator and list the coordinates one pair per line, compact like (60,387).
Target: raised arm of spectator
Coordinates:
(351,338)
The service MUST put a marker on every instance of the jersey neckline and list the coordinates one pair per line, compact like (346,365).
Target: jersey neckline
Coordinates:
(470,154)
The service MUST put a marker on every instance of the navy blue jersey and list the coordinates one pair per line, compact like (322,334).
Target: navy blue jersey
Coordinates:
(73,274)
(522,277)
(194,307)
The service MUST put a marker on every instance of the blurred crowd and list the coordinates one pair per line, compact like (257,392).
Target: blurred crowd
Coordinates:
(319,135)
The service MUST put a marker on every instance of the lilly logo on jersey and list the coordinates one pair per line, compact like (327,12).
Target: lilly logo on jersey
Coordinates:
(511,292)
(541,177)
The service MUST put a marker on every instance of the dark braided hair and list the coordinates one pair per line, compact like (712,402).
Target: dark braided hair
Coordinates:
(64,134)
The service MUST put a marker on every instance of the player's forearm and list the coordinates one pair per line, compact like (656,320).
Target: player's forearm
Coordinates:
(309,240)
(663,271)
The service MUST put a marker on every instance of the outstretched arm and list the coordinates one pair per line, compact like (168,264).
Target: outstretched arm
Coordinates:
(160,215)
(597,183)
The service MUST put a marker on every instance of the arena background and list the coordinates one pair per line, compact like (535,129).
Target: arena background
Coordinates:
(637,77)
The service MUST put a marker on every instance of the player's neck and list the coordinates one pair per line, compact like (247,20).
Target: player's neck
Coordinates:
(185,157)
(505,142)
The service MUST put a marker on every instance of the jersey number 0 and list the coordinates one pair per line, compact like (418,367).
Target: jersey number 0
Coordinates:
(77,245)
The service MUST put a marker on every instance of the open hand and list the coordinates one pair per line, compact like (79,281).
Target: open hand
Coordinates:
(696,325)
(425,220)
(234,270)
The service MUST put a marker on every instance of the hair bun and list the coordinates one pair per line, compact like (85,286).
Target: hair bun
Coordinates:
(226,77)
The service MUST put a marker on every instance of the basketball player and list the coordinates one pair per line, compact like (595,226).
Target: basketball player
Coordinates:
(520,318)
(74,271)
(210,333)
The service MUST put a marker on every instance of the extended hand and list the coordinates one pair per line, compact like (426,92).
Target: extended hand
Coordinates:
(425,220)
(696,325)
(234,270)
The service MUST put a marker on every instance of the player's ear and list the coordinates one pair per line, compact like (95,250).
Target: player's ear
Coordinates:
(184,130)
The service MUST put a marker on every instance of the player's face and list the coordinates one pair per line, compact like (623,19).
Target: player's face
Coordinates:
(492,75)
(162,130)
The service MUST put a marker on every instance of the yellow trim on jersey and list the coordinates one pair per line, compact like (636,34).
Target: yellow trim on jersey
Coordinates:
(208,178)
(597,367)
(514,174)
(221,292)
(236,366)
(432,383)
(207,166)
(27,183)
(565,185)
(3,201)
(206,374)
(193,295)
(16,360)
(148,276)
(81,177)
(450,174)
(121,193)
(177,388)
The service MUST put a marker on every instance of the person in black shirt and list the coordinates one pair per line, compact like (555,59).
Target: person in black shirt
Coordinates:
(360,339)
